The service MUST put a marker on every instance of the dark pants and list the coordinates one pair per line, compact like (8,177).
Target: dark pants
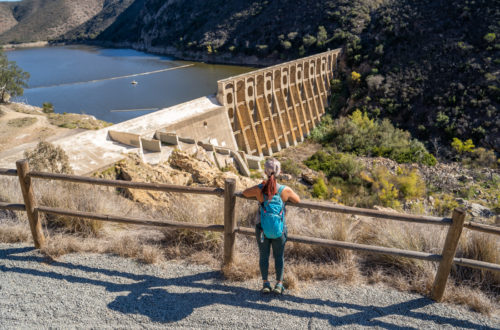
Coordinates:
(278,245)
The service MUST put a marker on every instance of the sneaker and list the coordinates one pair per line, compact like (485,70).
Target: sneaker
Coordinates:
(278,289)
(266,288)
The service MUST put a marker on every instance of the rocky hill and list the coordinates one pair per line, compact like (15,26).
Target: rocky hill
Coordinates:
(431,66)
(42,20)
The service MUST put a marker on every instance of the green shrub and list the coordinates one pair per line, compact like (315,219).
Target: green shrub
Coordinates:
(322,35)
(47,107)
(462,147)
(444,204)
(320,189)
(308,40)
(290,167)
(286,44)
(385,190)
(489,37)
(410,184)
(369,137)
(340,165)
(302,50)
(336,85)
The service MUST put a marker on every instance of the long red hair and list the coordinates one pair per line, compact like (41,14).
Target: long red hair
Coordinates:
(270,187)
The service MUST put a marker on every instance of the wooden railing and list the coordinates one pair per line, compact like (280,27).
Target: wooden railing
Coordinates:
(230,228)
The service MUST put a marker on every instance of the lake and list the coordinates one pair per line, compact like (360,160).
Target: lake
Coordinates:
(99,81)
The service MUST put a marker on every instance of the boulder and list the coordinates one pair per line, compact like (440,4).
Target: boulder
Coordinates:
(201,172)
(310,176)
(475,209)
(478,210)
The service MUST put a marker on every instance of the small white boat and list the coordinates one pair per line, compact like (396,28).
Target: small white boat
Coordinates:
(134,82)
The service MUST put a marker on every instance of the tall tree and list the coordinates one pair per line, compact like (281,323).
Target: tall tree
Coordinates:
(13,79)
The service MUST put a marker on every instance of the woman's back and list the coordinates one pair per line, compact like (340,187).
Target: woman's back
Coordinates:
(287,195)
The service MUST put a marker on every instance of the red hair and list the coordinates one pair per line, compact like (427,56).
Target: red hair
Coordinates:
(270,187)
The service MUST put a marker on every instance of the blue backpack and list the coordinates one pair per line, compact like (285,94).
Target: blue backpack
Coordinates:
(272,215)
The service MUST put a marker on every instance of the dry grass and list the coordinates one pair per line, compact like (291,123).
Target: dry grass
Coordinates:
(73,120)
(402,236)
(82,198)
(477,289)
(11,191)
(122,244)
(22,122)
(14,232)
(476,299)
(186,243)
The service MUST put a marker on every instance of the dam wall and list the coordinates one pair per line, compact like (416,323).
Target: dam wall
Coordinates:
(276,107)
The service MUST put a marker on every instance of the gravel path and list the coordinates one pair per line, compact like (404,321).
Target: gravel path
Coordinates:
(103,291)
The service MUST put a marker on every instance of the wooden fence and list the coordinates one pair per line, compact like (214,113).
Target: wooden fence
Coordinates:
(456,223)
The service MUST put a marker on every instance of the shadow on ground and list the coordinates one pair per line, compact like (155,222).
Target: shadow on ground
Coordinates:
(176,298)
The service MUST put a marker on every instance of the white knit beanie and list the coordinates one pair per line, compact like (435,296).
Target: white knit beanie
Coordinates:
(272,166)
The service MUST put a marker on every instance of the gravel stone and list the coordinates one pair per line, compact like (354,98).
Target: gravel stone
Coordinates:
(106,291)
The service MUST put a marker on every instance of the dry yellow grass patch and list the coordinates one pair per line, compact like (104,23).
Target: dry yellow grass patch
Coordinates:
(12,232)
(123,245)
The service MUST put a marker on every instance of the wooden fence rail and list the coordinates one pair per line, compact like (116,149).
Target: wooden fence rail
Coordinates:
(230,228)
(128,184)
(329,207)
(131,221)
(12,207)
(8,172)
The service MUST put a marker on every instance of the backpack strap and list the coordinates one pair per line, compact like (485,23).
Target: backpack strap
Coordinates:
(280,190)
(283,210)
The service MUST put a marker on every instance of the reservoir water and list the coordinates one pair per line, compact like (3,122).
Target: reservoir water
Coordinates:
(113,84)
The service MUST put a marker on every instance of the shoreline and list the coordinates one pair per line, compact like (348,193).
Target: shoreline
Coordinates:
(194,56)
(35,44)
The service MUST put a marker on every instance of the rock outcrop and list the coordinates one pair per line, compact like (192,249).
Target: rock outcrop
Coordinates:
(182,169)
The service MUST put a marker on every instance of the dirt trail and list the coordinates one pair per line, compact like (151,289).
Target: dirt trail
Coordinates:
(36,127)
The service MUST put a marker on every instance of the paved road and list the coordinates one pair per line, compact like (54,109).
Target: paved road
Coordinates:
(102,291)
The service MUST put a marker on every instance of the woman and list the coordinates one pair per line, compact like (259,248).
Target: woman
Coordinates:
(265,193)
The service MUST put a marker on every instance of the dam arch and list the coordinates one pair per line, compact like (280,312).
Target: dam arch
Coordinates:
(276,107)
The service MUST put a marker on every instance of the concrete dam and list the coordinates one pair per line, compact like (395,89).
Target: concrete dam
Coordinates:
(252,115)
(276,107)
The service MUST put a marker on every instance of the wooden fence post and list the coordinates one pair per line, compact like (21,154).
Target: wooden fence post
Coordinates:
(229,220)
(30,202)
(449,249)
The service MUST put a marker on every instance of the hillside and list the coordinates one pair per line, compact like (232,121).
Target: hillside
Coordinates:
(37,20)
(7,19)
(432,67)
